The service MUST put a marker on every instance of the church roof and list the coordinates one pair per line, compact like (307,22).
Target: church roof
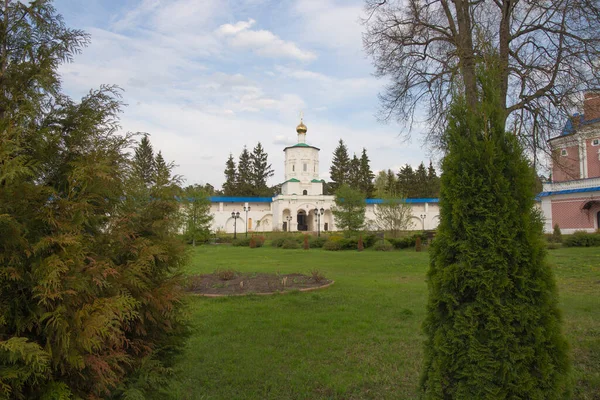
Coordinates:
(570,127)
(235,199)
(302,145)
(292,180)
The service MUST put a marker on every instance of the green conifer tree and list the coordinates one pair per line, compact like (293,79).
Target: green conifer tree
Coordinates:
(492,326)
(433,182)
(244,175)
(421,183)
(407,182)
(230,185)
(261,171)
(354,178)
(366,175)
(144,164)
(340,166)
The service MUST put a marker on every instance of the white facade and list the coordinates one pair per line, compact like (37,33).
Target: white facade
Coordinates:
(301,193)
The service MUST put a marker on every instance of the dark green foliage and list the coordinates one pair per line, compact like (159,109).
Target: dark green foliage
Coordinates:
(332,245)
(244,174)
(407,242)
(317,242)
(196,214)
(290,244)
(143,164)
(369,240)
(354,173)
(340,167)
(556,234)
(493,328)
(383,245)
(582,239)
(241,242)
(348,243)
(366,176)
(349,210)
(260,172)
(231,179)
(90,291)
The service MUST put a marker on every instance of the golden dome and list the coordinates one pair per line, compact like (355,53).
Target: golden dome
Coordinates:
(301,128)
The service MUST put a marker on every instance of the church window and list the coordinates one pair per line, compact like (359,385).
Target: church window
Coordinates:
(563,152)
(305,167)
(293,167)
(596,142)
(304,192)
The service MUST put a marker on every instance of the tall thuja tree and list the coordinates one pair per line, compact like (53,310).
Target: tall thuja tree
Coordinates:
(492,327)
(261,171)
(230,185)
(340,165)
(144,164)
(89,294)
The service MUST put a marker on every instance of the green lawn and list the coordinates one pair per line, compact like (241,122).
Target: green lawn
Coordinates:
(359,339)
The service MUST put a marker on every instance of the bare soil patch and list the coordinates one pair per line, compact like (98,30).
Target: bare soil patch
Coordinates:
(259,283)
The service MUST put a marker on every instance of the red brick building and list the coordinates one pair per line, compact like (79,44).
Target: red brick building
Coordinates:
(572,198)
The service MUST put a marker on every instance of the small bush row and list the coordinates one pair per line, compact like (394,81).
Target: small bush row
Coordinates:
(582,239)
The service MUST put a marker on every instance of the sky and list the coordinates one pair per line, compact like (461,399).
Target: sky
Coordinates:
(207,77)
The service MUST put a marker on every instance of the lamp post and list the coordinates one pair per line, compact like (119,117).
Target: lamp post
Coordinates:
(423,216)
(246,209)
(289,221)
(235,216)
(318,214)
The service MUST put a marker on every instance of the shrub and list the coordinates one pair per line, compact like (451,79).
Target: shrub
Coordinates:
(256,241)
(305,245)
(332,245)
(556,235)
(317,275)
(193,282)
(360,245)
(225,274)
(290,243)
(383,246)
(582,239)
(418,243)
(223,238)
(317,242)
(350,243)
(242,242)
(369,240)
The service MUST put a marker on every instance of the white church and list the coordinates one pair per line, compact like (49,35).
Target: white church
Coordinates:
(301,206)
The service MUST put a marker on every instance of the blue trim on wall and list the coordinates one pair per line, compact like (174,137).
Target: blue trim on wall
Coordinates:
(225,199)
(569,191)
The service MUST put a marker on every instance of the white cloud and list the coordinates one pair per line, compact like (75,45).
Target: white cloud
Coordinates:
(263,42)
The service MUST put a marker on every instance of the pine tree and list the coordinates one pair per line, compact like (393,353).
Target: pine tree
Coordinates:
(421,183)
(406,182)
(340,165)
(493,325)
(433,182)
(366,175)
(261,171)
(231,179)
(354,178)
(144,165)
(162,172)
(392,186)
(244,175)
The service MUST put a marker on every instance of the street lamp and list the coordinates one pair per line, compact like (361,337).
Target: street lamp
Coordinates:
(318,214)
(235,216)
(289,220)
(246,209)
(423,216)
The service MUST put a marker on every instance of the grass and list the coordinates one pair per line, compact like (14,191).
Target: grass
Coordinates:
(359,339)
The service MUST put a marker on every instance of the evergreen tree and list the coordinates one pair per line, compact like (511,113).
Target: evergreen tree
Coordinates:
(261,171)
(392,186)
(354,178)
(433,182)
(90,299)
(196,213)
(421,182)
(244,175)
(340,166)
(349,210)
(380,184)
(231,179)
(407,182)
(144,165)
(366,175)
(162,173)
(492,326)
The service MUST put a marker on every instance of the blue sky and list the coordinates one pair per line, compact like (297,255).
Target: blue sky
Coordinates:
(206,77)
